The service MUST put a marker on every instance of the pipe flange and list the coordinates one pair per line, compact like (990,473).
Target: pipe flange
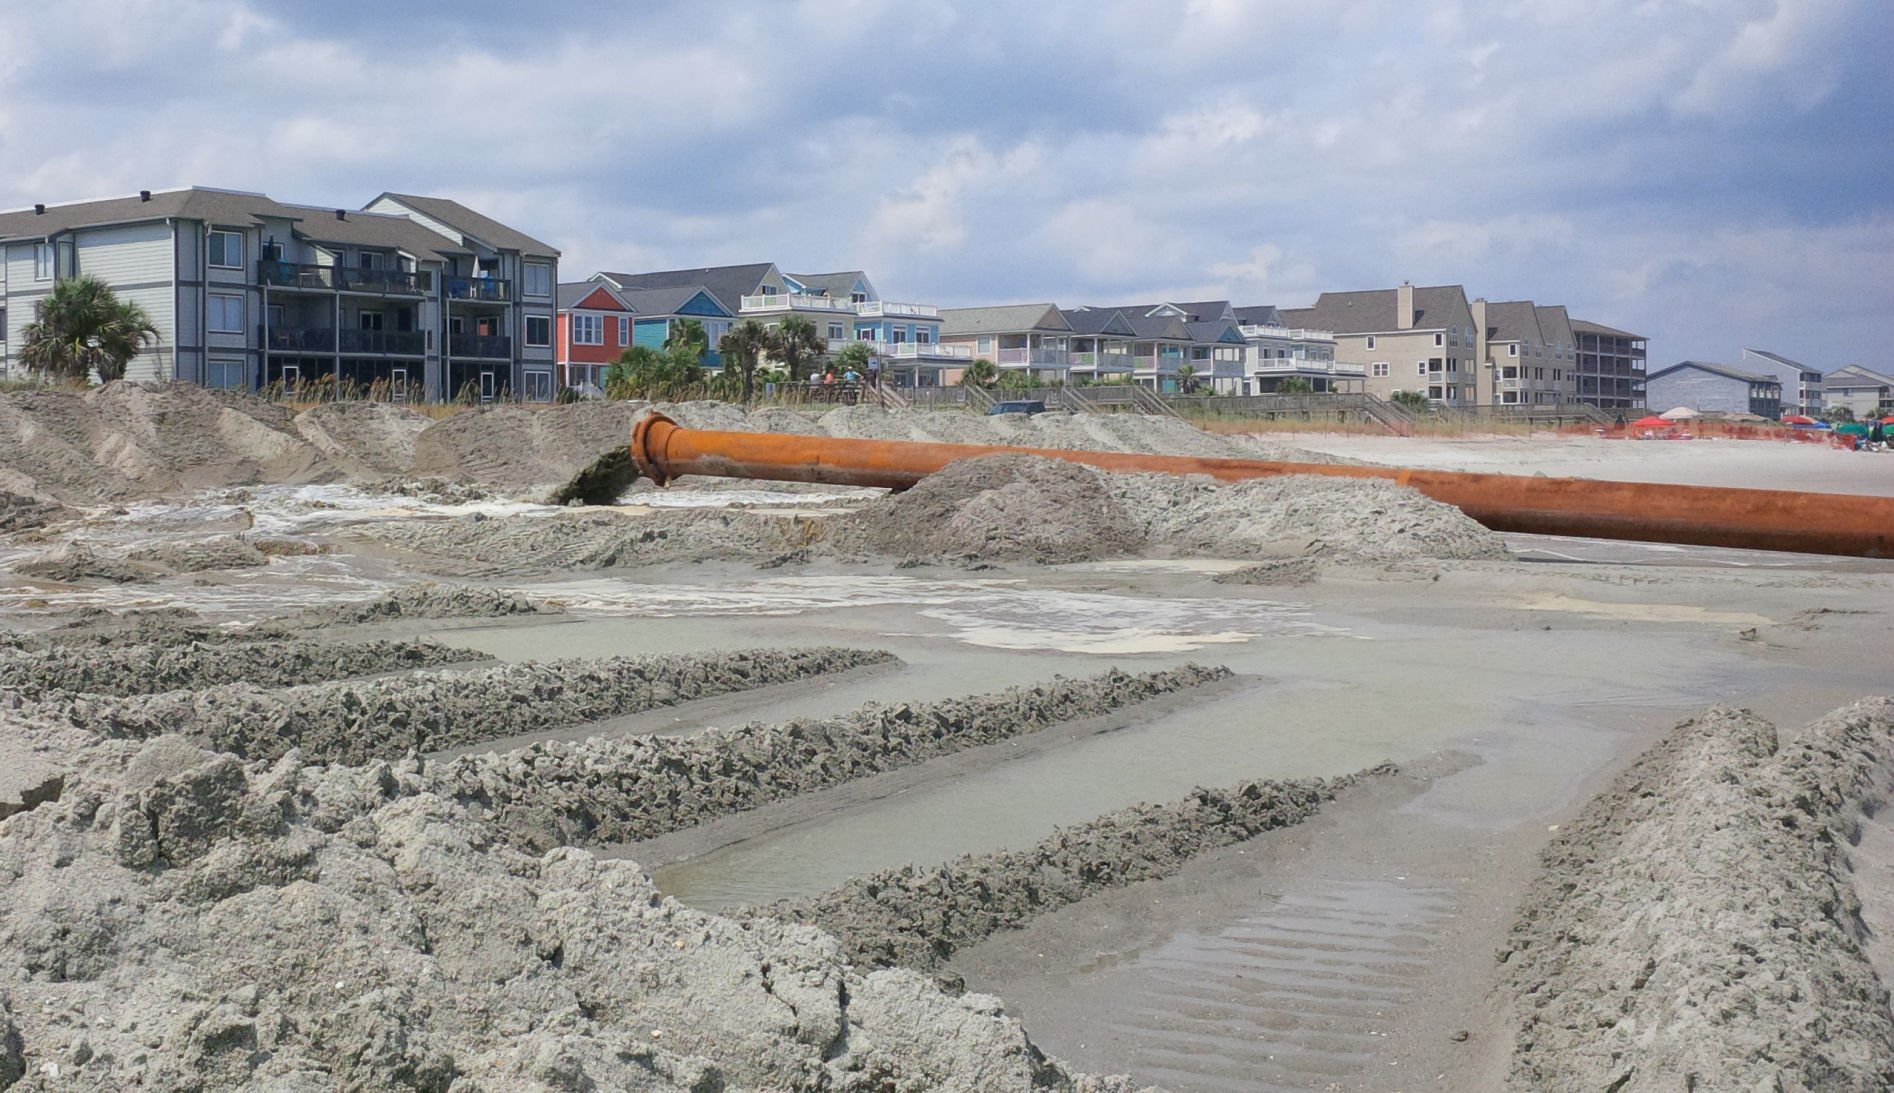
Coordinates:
(641,450)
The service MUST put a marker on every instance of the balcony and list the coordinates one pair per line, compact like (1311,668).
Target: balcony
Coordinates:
(1288,333)
(875,308)
(387,282)
(793,301)
(1289,366)
(279,274)
(1102,362)
(295,339)
(482,346)
(1034,358)
(398,343)
(485,289)
(922,350)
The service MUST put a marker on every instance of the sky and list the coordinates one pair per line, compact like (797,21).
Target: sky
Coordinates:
(1712,174)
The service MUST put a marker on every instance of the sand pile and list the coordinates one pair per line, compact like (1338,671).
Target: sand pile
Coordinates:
(127,440)
(392,716)
(180,921)
(428,601)
(1698,926)
(522,449)
(187,665)
(76,562)
(364,438)
(919,917)
(20,513)
(1014,507)
(629,789)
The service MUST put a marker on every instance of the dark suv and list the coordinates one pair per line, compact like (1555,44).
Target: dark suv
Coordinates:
(1022,406)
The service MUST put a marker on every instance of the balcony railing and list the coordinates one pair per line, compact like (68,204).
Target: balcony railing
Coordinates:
(917,350)
(1103,362)
(490,289)
(1292,365)
(488,346)
(1035,358)
(399,282)
(297,339)
(271,271)
(884,307)
(401,343)
(793,301)
(1288,333)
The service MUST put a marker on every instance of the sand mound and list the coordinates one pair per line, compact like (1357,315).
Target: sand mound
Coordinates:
(1013,507)
(429,601)
(522,449)
(1698,926)
(178,920)
(364,438)
(186,665)
(128,440)
(20,513)
(76,562)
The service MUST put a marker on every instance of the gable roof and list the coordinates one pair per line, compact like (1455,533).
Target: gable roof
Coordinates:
(1373,311)
(1552,320)
(1784,361)
(1514,321)
(727,284)
(576,294)
(840,285)
(234,209)
(1004,319)
(1853,375)
(1714,368)
(1259,315)
(1584,326)
(1218,331)
(655,302)
(1096,320)
(478,225)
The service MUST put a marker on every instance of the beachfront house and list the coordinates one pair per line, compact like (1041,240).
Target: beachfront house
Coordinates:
(1706,386)
(595,328)
(1527,354)
(248,292)
(1861,391)
(1609,366)
(1801,385)
(1032,338)
(1405,338)
(1275,353)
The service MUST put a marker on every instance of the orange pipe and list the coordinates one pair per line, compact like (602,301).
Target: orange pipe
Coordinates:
(1809,523)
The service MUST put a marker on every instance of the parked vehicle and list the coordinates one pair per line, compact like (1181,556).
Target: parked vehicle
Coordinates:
(1022,406)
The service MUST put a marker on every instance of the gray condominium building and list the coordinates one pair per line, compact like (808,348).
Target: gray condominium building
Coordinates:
(422,294)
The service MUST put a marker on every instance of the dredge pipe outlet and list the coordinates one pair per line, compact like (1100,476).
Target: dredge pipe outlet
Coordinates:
(1808,523)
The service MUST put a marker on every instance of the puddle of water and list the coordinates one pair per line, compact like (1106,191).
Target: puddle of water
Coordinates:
(703,499)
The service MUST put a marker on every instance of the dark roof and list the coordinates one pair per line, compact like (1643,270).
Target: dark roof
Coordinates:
(727,284)
(571,293)
(1583,326)
(1300,317)
(236,209)
(1716,369)
(1551,318)
(468,222)
(1206,311)
(1260,315)
(665,301)
(1215,330)
(1847,374)
(1513,321)
(1373,311)
(1766,355)
(1004,319)
(1093,320)
(838,285)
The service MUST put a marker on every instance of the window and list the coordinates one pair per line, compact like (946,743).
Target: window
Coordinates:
(1439,339)
(369,259)
(370,320)
(923,336)
(538,279)
(226,314)
(985,344)
(858,297)
(226,249)
(1420,368)
(865,334)
(538,331)
(539,386)
(586,330)
(1381,368)
(1512,350)
(226,374)
(837,332)
(42,261)
(1371,341)
(1433,393)
(624,331)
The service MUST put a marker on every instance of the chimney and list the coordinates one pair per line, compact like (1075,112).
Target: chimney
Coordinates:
(1479,322)
(341,214)
(1404,306)
(144,195)
(39,210)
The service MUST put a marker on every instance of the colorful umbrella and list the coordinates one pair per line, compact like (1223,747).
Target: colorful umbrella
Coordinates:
(1797,419)
(1853,428)
(1651,422)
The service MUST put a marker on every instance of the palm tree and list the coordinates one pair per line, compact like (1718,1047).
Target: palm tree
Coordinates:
(82,328)
(1187,378)
(688,334)
(980,373)
(856,355)
(1295,385)
(795,342)
(741,349)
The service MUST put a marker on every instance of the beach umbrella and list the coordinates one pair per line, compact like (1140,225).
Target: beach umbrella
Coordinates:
(1853,428)
(1888,420)
(1797,419)
(1678,413)
(1651,422)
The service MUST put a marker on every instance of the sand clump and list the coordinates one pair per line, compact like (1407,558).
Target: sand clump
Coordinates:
(918,917)
(77,562)
(624,790)
(189,665)
(20,513)
(428,601)
(1698,926)
(180,920)
(357,721)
